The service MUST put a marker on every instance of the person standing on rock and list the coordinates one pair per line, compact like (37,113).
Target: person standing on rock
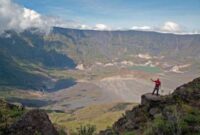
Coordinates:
(157,86)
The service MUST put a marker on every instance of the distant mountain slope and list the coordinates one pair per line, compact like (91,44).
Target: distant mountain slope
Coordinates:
(27,49)
(119,44)
(62,48)
(12,75)
(30,46)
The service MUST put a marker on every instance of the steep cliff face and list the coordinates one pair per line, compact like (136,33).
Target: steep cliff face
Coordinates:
(177,114)
(15,120)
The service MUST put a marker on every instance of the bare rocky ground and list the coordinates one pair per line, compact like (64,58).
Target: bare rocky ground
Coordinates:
(123,86)
(126,88)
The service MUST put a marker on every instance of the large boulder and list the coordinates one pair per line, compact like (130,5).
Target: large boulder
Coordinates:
(151,100)
(34,122)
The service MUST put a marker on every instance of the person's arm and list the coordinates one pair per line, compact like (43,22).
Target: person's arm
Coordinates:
(152,80)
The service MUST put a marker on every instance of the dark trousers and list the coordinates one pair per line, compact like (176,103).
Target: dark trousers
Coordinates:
(156,89)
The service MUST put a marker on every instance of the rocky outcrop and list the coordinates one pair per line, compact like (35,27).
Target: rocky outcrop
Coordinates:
(34,122)
(181,106)
(135,119)
(189,93)
(151,100)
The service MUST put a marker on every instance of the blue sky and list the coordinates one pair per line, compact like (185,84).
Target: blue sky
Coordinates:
(121,13)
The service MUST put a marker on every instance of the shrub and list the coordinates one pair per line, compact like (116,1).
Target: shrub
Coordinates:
(178,120)
(62,132)
(129,133)
(37,133)
(86,130)
(193,117)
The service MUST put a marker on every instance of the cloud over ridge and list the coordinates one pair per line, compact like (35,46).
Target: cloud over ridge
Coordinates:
(14,16)
(17,17)
(171,27)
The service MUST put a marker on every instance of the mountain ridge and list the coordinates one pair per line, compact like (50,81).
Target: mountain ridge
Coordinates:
(38,53)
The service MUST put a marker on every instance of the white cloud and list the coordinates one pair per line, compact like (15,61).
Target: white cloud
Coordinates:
(14,16)
(171,27)
(96,27)
(84,27)
(101,27)
(167,27)
(143,28)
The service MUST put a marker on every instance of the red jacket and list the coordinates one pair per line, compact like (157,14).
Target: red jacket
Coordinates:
(157,83)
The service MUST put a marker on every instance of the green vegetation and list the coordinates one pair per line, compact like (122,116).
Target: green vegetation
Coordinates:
(102,116)
(37,133)
(180,120)
(86,130)
(8,115)
(129,133)
(61,130)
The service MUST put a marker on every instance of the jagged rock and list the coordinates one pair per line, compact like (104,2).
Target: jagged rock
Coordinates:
(32,123)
